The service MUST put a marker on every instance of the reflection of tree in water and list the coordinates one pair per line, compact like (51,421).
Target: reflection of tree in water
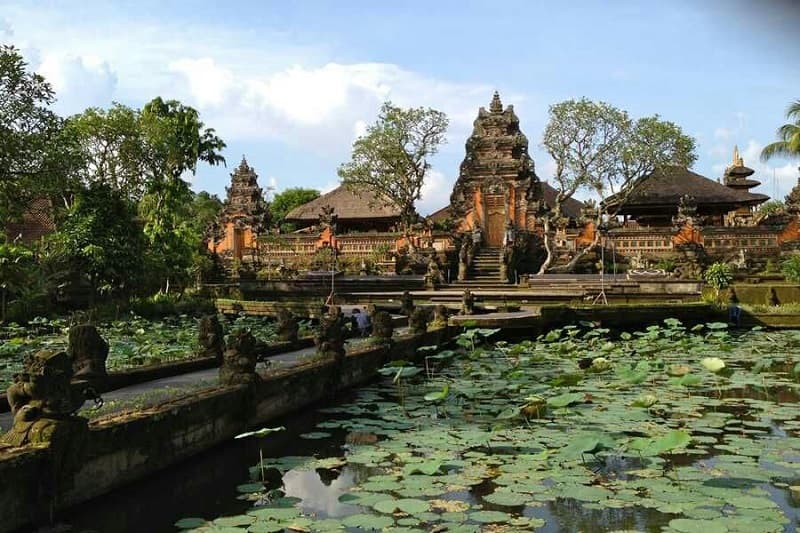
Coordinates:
(570,515)
(327,475)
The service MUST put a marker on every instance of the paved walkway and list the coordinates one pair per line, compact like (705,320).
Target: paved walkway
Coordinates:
(208,377)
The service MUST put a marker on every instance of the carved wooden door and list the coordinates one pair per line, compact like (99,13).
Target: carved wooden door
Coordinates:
(238,243)
(495,219)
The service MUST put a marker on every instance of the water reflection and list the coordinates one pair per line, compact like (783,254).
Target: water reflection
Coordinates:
(320,494)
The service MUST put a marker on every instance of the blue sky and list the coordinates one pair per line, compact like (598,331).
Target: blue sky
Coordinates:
(291,84)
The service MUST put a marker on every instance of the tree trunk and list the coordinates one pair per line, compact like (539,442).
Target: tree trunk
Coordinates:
(548,246)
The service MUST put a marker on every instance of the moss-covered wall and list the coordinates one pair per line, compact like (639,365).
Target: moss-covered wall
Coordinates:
(625,316)
(758,293)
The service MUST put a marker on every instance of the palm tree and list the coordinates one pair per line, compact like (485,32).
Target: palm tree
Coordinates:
(789,134)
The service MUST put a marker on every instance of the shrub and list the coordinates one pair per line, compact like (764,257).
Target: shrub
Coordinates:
(719,276)
(791,269)
(667,265)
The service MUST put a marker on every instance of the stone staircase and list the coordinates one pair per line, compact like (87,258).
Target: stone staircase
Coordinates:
(484,272)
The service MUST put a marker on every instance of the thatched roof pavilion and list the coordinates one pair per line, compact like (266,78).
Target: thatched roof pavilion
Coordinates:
(655,198)
(355,211)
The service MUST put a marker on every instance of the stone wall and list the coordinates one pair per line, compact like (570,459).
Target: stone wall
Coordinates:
(128,447)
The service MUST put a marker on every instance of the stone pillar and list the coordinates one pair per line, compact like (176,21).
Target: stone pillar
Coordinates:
(88,352)
(382,327)
(331,335)
(288,328)
(239,360)
(406,304)
(418,321)
(210,338)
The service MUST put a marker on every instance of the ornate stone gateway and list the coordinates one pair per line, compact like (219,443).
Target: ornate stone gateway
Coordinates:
(497,184)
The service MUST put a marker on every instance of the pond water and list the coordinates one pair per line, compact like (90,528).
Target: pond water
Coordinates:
(666,429)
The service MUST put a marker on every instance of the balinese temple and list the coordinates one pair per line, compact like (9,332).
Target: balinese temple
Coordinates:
(355,212)
(245,214)
(655,198)
(497,183)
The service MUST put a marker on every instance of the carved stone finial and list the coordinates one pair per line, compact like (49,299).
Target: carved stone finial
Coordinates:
(239,360)
(210,338)
(737,158)
(496,106)
(330,337)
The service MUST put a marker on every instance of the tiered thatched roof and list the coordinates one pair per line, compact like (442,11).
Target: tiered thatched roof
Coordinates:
(347,205)
(663,190)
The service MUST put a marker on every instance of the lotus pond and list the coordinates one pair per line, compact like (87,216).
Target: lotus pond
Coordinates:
(133,342)
(667,429)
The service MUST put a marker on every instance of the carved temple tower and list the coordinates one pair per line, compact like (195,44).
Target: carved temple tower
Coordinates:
(243,217)
(497,184)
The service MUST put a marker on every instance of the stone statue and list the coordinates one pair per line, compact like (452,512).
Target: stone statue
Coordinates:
(382,327)
(331,335)
(88,352)
(43,401)
(772,297)
(328,218)
(741,261)
(467,303)
(210,338)
(433,278)
(239,360)
(440,313)
(406,304)
(506,262)
(287,326)
(418,321)
(464,258)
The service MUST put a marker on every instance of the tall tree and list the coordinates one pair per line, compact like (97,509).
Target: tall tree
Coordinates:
(392,157)
(583,138)
(788,144)
(598,147)
(113,148)
(285,201)
(35,155)
(175,142)
(101,240)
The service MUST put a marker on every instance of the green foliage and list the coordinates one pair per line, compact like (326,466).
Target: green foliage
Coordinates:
(287,200)
(788,144)
(101,241)
(791,269)
(35,155)
(667,265)
(773,207)
(392,158)
(719,276)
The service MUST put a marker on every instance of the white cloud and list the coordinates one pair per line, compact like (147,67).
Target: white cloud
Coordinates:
(6,32)
(311,106)
(724,133)
(435,193)
(79,82)
(207,81)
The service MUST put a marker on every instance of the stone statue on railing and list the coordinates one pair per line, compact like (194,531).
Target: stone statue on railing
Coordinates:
(464,258)
(467,303)
(331,335)
(433,278)
(239,359)
(88,352)
(210,338)
(406,304)
(382,327)
(43,402)
(418,321)
(287,327)
(440,313)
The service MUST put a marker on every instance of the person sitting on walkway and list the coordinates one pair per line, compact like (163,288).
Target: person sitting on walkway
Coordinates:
(363,322)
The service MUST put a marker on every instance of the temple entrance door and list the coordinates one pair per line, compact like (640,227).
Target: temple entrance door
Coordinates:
(238,243)
(495,219)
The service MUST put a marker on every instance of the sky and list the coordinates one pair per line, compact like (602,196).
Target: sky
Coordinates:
(291,85)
